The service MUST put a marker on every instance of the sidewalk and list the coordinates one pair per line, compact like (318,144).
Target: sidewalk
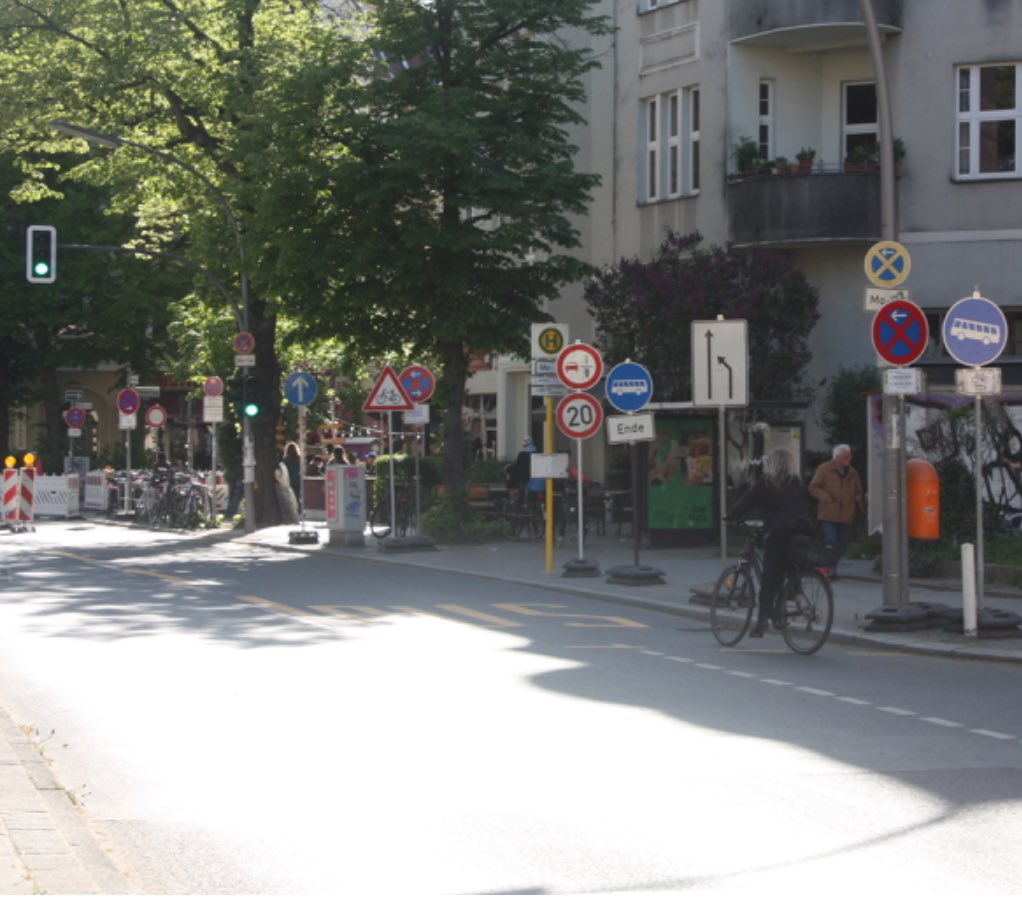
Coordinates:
(689,575)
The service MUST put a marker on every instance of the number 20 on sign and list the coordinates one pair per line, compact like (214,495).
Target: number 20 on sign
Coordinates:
(579,415)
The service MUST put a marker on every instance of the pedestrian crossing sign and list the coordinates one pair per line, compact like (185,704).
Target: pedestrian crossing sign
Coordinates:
(387,394)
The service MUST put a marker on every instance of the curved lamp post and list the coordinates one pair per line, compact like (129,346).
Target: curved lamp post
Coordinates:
(110,140)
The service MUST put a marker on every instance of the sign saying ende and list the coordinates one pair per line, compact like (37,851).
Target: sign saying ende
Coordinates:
(625,428)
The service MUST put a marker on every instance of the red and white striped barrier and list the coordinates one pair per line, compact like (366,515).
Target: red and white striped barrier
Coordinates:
(18,494)
(96,497)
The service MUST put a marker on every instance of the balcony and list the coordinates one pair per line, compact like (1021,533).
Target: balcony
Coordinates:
(807,25)
(804,208)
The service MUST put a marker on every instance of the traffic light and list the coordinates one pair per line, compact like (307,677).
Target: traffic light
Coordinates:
(250,406)
(41,254)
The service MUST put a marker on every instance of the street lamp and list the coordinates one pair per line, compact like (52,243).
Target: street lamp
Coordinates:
(242,315)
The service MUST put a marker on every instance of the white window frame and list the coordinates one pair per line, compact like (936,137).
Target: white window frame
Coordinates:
(765,111)
(669,146)
(872,128)
(970,120)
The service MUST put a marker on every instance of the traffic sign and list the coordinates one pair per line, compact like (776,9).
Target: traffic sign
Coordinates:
(630,428)
(579,366)
(548,339)
(300,388)
(900,332)
(213,386)
(887,263)
(418,383)
(244,343)
(213,409)
(387,394)
(720,362)
(128,401)
(156,416)
(74,417)
(629,386)
(579,415)
(978,381)
(975,331)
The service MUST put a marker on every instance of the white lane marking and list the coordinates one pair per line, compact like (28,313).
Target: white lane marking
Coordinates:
(994,734)
(894,710)
(942,722)
(774,682)
(851,700)
(814,691)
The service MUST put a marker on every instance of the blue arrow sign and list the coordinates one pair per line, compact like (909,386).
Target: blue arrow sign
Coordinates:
(975,331)
(629,387)
(300,388)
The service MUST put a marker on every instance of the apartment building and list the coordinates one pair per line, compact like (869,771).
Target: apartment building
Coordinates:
(683,82)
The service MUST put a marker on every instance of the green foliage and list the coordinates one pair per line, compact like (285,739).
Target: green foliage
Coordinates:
(451,518)
(843,414)
(641,308)
(487,471)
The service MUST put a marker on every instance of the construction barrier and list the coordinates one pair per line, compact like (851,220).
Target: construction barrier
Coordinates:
(18,494)
(57,495)
(96,491)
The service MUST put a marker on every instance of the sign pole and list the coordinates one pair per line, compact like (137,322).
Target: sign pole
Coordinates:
(980,563)
(722,489)
(578,494)
(548,445)
(127,479)
(390,469)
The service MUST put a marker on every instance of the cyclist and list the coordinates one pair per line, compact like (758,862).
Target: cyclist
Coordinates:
(783,500)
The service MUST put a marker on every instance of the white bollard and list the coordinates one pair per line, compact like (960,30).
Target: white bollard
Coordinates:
(968,590)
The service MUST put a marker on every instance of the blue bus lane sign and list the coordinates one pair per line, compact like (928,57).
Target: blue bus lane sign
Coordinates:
(975,331)
(629,387)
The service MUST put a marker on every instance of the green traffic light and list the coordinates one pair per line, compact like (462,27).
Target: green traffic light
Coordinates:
(42,269)
(251,409)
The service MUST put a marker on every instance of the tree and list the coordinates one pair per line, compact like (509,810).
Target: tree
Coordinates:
(456,187)
(192,86)
(644,310)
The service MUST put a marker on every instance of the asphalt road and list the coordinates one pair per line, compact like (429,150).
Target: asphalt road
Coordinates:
(237,719)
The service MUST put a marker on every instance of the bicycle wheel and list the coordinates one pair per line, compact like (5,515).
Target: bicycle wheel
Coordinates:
(404,516)
(379,524)
(808,611)
(734,598)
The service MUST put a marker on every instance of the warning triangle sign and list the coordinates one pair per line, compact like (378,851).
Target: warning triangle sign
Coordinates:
(387,394)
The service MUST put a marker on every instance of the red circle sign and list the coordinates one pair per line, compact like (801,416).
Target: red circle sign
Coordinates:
(244,343)
(128,401)
(579,415)
(74,417)
(900,332)
(156,416)
(579,366)
(214,386)
(418,383)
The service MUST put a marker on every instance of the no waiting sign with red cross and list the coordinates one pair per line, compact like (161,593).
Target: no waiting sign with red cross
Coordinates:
(900,332)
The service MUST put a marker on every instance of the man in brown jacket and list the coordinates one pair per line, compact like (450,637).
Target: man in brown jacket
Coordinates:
(838,491)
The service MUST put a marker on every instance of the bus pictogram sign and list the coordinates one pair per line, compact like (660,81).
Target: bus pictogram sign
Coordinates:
(975,331)
(900,332)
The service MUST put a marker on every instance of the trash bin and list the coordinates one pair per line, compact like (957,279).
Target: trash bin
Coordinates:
(923,500)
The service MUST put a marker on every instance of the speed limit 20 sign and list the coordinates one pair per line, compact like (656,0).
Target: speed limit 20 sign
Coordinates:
(579,415)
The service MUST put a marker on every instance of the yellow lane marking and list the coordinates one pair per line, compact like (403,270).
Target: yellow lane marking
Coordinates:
(498,622)
(144,572)
(161,576)
(355,614)
(481,616)
(271,604)
(536,609)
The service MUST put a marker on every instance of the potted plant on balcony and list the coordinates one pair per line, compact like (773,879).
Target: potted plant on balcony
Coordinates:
(862,158)
(781,165)
(746,156)
(805,158)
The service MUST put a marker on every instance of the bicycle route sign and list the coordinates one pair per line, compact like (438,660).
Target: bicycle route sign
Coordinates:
(579,415)
(975,331)
(900,332)
(387,394)
(629,386)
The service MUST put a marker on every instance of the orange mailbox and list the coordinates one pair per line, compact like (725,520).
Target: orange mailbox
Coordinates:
(923,500)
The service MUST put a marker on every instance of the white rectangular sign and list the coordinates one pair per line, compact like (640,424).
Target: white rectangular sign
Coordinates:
(626,428)
(548,339)
(555,388)
(244,360)
(878,297)
(213,409)
(720,362)
(903,381)
(978,381)
(126,422)
(548,465)
(417,415)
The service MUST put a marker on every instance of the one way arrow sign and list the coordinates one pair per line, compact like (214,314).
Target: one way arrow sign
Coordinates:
(720,363)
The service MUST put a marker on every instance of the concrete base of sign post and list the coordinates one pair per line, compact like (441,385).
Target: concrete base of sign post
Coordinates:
(581,568)
(635,575)
(405,544)
(338,537)
(302,536)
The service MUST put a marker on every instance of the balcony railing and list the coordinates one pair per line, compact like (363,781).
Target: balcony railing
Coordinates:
(823,205)
(784,18)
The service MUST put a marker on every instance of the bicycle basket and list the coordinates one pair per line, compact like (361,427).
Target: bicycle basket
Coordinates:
(809,552)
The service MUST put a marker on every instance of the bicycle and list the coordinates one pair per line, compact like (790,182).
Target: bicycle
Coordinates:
(380,520)
(805,604)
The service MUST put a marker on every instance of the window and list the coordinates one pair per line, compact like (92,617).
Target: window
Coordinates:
(988,118)
(670,158)
(860,118)
(766,120)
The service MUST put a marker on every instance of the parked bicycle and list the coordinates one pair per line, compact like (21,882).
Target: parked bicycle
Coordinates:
(380,523)
(176,500)
(805,605)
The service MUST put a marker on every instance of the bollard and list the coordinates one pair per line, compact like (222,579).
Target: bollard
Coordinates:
(968,590)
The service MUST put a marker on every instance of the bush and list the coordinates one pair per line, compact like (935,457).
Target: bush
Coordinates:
(451,518)
(486,471)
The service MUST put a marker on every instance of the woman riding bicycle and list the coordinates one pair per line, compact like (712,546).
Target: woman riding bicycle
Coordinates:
(783,500)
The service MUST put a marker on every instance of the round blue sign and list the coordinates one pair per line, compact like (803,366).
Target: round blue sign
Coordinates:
(975,331)
(300,388)
(629,387)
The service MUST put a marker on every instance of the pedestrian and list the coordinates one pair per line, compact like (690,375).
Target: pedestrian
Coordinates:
(837,489)
(782,499)
(340,456)
(293,463)
(521,473)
